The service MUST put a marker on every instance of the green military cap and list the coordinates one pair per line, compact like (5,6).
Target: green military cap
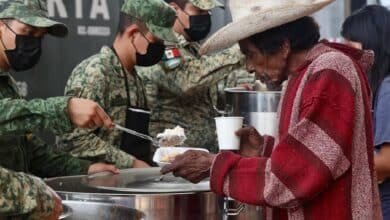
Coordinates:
(32,12)
(158,16)
(206,4)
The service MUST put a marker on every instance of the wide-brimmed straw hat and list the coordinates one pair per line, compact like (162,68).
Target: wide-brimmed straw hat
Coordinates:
(255,16)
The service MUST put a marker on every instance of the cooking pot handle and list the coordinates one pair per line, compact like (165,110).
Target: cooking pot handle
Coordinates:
(66,213)
(232,211)
(236,211)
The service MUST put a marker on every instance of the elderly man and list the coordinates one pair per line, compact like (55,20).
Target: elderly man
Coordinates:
(321,165)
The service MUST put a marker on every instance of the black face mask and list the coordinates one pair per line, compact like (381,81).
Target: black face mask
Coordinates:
(154,53)
(200,26)
(27,52)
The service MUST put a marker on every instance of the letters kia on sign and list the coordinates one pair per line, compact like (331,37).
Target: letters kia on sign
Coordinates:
(82,9)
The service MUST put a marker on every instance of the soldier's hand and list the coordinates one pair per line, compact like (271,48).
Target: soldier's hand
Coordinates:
(85,113)
(101,167)
(140,164)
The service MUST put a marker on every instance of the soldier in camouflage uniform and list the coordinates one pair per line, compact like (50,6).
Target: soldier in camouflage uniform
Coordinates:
(110,79)
(22,26)
(58,114)
(184,87)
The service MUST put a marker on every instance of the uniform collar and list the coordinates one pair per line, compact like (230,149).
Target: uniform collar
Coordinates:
(183,43)
(114,59)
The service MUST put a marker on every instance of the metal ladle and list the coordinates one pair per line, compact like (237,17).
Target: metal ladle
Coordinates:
(154,141)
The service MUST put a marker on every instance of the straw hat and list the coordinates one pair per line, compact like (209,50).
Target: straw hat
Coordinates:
(254,16)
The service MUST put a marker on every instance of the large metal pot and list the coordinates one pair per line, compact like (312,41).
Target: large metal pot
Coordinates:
(141,189)
(259,109)
(84,210)
(80,210)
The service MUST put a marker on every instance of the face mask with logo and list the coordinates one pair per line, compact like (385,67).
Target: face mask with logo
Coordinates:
(153,55)
(27,52)
(200,26)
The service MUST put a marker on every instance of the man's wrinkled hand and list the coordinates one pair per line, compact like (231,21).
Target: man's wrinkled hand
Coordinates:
(102,167)
(251,142)
(193,165)
(85,113)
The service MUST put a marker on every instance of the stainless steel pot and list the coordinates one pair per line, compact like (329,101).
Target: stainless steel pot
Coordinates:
(84,210)
(175,199)
(259,109)
(79,210)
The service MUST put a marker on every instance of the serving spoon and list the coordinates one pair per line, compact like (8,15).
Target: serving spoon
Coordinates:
(154,141)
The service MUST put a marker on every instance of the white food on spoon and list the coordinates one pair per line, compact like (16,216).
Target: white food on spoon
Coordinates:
(172,137)
(259,86)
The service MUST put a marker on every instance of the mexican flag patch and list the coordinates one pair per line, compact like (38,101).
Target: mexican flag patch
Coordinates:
(171,53)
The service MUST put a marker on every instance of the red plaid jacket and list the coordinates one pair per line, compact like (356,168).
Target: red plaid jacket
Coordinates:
(321,166)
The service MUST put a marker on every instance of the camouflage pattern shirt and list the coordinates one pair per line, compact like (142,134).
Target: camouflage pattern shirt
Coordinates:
(24,152)
(185,95)
(20,116)
(24,195)
(101,78)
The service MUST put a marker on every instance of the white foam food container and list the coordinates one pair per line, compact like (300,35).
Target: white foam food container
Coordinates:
(164,152)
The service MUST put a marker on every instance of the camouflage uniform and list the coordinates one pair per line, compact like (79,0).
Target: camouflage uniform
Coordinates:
(102,78)
(206,4)
(19,116)
(186,95)
(22,194)
(24,152)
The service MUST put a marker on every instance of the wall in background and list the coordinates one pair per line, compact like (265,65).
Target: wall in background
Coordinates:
(330,19)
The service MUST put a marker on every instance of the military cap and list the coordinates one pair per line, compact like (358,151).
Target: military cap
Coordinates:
(32,12)
(206,4)
(158,16)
